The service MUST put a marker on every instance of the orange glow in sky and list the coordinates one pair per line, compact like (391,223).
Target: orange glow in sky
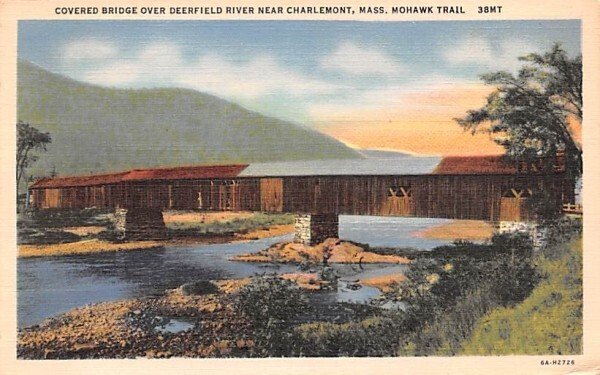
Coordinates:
(421,123)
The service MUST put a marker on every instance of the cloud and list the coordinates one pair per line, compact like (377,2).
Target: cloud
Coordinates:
(358,60)
(163,64)
(260,76)
(89,49)
(434,94)
(478,51)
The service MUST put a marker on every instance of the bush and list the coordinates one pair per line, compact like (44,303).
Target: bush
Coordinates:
(448,291)
(228,228)
(45,237)
(549,321)
(373,337)
(57,218)
(200,287)
(271,305)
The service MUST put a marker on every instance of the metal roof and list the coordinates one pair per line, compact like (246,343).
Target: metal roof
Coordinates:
(341,167)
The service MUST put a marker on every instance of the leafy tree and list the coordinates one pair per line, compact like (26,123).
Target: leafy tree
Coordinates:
(531,112)
(29,139)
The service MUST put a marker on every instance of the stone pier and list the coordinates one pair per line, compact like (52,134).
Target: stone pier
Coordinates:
(312,229)
(139,224)
(538,235)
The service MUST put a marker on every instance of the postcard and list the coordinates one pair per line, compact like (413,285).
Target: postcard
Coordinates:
(299,186)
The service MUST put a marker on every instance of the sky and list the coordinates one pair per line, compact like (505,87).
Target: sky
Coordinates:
(382,85)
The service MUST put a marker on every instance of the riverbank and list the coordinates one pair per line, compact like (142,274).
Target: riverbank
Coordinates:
(84,247)
(199,319)
(549,321)
(184,228)
(470,230)
(100,246)
(145,327)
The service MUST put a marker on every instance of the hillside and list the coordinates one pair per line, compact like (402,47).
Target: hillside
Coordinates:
(96,129)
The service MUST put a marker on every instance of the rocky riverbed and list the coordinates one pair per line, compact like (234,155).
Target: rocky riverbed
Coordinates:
(331,250)
(171,325)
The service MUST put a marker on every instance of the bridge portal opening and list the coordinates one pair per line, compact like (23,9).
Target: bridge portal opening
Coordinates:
(399,201)
(513,204)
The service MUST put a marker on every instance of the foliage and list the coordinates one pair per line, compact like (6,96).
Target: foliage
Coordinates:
(531,112)
(445,293)
(29,140)
(558,232)
(245,225)
(199,287)
(448,294)
(45,237)
(549,321)
(373,337)
(60,218)
(272,305)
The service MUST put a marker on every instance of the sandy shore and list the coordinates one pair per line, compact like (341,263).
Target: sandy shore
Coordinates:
(100,246)
(472,230)
(84,247)
(384,283)
(273,231)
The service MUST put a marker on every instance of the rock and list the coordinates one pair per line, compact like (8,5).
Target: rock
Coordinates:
(137,312)
(49,354)
(84,346)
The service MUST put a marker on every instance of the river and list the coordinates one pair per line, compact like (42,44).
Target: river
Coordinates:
(48,286)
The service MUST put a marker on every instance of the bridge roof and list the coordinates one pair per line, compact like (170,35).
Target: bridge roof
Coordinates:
(186,173)
(98,179)
(345,167)
(398,166)
(175,173)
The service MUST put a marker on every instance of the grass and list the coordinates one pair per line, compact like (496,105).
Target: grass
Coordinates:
(241,226)
(549,321)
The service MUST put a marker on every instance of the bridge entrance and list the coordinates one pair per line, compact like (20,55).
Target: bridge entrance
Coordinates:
(514,204)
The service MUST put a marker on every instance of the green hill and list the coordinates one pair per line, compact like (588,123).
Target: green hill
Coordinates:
(96,129)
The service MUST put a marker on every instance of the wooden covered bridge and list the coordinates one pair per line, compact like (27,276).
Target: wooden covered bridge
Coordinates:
(477,188)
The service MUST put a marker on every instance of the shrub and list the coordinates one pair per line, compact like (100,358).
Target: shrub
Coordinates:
(57,218)
(199,287)
(272,305)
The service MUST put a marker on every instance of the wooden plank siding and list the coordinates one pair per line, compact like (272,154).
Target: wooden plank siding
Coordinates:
(271,194)
(477,197)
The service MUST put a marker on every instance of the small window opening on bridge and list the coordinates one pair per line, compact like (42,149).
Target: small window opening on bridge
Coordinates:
(399,191)
(517,192)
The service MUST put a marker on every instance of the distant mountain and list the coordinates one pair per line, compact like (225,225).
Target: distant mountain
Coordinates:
(96,129)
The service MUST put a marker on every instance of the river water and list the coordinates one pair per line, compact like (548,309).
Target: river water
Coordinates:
(48,286)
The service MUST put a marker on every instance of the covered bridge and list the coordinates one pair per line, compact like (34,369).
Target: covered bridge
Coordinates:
(478,188)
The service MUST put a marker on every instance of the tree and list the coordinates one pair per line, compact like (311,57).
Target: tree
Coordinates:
(29,139)
(531,113)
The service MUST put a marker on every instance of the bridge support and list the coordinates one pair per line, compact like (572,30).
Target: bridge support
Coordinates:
(139,224)
(538,234)
(315,228)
